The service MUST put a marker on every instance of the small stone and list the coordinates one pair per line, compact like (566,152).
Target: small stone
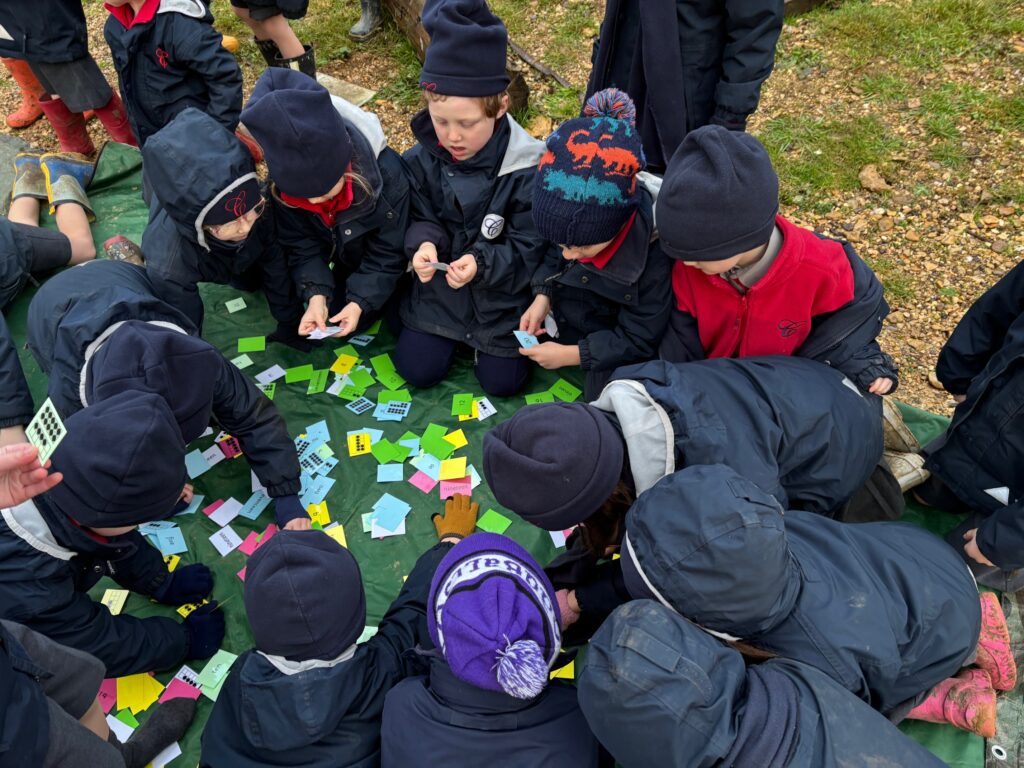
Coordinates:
(902,198)
(540,127)
(912,236)
(1006,210)
(990,221)
(885,224)
(871,179)
(999,246)
(916,344)
(913,103)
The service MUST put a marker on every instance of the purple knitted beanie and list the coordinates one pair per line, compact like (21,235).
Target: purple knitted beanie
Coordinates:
(494,617)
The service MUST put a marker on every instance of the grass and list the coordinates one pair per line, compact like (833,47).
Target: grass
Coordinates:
(897,285)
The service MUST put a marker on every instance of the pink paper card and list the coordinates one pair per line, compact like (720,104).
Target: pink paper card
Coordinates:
(423,481)
(451,487)
(209,510)
(108,694)
(250,543)
(179,689)
(241,573)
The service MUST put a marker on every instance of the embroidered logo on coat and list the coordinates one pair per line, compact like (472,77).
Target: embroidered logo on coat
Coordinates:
(788,327)
(492,225)
(162,57)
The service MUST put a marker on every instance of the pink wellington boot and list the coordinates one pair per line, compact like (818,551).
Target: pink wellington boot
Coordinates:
(994,653)
(967,702)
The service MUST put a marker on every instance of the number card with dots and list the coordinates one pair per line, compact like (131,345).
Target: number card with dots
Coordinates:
(46,431)
(362,405)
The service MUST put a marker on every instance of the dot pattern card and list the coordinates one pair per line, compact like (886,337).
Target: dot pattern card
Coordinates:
(46,431)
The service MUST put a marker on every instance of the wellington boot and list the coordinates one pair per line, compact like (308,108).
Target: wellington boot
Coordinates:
(306,63)
(67,177)
(907,468)
(967,701)
(897,435)
(115,120)
(29,111)
(370,21)
(995,655)
(69,126)
(269,50)
(28,177)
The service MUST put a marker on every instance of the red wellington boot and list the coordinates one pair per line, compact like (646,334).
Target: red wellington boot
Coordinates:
(31,90)
(69,126)
(967,702)
(115,120)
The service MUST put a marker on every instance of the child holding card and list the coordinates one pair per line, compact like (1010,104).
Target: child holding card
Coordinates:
(473,244)
(339,194)
(608,292)
(309,694)
(493,617)
(121,467)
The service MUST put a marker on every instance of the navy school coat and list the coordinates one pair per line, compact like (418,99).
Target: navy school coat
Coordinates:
(47,31)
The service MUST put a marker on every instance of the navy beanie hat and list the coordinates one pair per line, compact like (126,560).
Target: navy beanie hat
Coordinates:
(466,55)
(719,198)
(304,596)
(586,187)
(554,464)
(303,138)
(122,461)
(144,357)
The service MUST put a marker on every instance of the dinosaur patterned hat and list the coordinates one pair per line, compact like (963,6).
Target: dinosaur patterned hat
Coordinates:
(585,190)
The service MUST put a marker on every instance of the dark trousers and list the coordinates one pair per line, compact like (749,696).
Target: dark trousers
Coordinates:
(79,83)
(423,360)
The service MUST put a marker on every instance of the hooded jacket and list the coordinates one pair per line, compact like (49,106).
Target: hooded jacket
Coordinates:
(105,311)
(319,714)
(617,315)
(438,719)
(367,238)
(16,406)
(482,206)
(886,610)
(187,176)
(981,454)
(24,710)
(171,62)
(48,31)
(662,692)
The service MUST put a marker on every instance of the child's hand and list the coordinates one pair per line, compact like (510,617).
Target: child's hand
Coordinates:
(568,608)
(462,271)
(459,518)
(348,318)
(21,474)
(315,316)
(959,398)
(299,524)
(971,548)
(186,493)
(551,355)
(532,320)
(880,386)
(421,261)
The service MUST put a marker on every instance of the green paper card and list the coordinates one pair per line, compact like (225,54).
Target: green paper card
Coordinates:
(492,521)
(351,393)
(361,378)
(242,361)
(409,436)
(437,447)
(382,363)
(400,452)
(390,379)
(383,450)
(267,389)
(298,373)
(374,329)
(324,451)
(349,350)
(462,405)
(317,382)
(565,391)
(235,305)
(395,396)
(126,717)
(540,397)
(252,344)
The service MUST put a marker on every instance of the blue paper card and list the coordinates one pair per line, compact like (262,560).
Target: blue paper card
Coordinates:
(197,500)
(428,465)
(195,464)
(329,463)
(362,405)
(389,512)
(255,505)
(389,473)
(170,542)
(375,434)
(318,433)
(413,444)
(317,490)
(526,340)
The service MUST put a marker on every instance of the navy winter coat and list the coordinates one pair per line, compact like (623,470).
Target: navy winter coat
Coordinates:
(367,239)
(661,692)
(46,31)
(438,719)
(24,713)
(78,311)
(323,716)
(617,314)
(47,566)
(686,64)
(191,163)
(171,63)
(983,449)
(16,406)
(887,610)
(482,206)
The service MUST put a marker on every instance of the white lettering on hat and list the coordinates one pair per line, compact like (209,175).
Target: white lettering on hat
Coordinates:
(492,225)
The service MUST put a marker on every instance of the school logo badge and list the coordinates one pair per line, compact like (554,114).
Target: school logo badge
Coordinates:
(492,225)
(162,57)
(788,327)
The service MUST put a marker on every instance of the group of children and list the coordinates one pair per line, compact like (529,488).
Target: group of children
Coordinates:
(735,418)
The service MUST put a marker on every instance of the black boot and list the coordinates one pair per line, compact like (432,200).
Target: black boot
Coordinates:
(306,63)
(369,22)
(271,53)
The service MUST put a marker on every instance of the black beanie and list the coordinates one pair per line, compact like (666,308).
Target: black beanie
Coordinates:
(304,596)
(466,55)
(122,461)
(554,464)
(303,138)
(719,198)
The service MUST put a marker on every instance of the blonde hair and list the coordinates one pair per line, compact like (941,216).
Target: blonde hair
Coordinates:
(491,105)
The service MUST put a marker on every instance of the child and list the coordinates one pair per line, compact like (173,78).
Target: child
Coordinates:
(609,291)
(52,37)
(121,467)
(662,692)
(976,464)
(308,694)
(886,610)
(339,193)
(208,221)
(274,37)
(493,617)
(473,244)
(169,57)
(51,717)
(99,330)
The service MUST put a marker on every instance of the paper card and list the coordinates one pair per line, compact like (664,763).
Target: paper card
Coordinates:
(551,326)
(362,339)
(440,266)
(317,491)
(255,505)
(383,451)
(394,395)
(361,378)
(473,415)
(422,481)
(344,364)
(457,438)
(230,447)
(377,532)
(387,501)
(485,409)
(368,632)
(349,350)
(225,512)
(216,669)
(197,500)
(171,561)
(492,521)
(318,432)
(539,397)
(256,540)
(329,464)
(138,692)
(115,599)
(337,532)
(412,443)
(318,513)
(207,432)
(392,411)
(374,329)
(225,540)
(400,453)
(325,451)
(565,391)
(298,373)
(267,389)
(252,344)
(557,538)
(165,756)
(526,340)
(381,363)
(330,330)
(389,473)
(213,691)
(428,465)
(568,672)
(474,476)
(391,379)
(235,305)
(119,729)
(362,405)
(436,446)
(213,455)
(126,717)
(450,487)
(179,689)
(349,392)
(311,462)
(156,525)
(46,430)
(317,382)
(241,573)
(367,520)
(462,404)
(453,469)
(187,675)
(107,694)
(359,444)
(187,608)
(242,361)
(171,542)
(375,434)
(273,373)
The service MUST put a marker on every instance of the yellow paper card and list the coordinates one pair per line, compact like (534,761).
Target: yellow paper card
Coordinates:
(115,599)
(473,415)
(568,672)
(457,438)
(359,444)
(344,364)
(453,469)
(338,534)
(187,608)
(318,513)
(172,562)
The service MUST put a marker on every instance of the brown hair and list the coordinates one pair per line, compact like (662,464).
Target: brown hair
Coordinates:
(491,105)
(603,529)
